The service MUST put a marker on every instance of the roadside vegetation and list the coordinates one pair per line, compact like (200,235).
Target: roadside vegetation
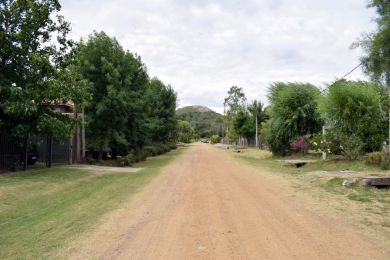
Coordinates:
(345,120)
(42,210)
(125,108)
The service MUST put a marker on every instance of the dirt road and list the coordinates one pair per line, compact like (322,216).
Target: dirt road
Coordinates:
(205,205)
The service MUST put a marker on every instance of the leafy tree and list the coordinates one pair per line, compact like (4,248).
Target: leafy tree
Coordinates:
(293,113)
(32,47)
(234,101)
(354,115)
(256,108)
(244,124)
(118,81)
(162,101)
(185,132)
(376,61)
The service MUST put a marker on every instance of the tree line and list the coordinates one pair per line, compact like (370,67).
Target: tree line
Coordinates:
(125,109)
(348,117)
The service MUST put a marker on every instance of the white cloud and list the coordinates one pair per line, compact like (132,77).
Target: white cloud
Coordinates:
(203,47)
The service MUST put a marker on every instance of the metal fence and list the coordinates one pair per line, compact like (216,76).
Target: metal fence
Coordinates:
(10,152)
(46,153)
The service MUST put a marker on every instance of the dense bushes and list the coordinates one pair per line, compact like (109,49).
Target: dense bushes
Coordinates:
(379,159)
(214,139)
(355,116)
(141,154)
(185,132)
(293,113)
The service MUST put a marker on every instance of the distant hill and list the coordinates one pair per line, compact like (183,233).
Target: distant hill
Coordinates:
(204,120)
(201,109)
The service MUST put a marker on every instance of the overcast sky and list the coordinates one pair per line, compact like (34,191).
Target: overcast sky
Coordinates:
(204,47)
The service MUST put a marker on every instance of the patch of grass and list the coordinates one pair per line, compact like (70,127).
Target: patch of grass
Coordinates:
(41,210)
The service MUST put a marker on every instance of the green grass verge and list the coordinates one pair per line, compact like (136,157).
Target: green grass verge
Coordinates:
(41,210)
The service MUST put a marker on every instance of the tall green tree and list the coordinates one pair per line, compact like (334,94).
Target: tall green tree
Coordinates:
(376,60)
(33,43)
(256,108)
(162,102)
(185,131)
(244,124)
(293,113)
(119,80)
(233,103)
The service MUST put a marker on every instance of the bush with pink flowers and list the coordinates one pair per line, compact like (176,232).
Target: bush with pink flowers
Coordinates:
(300,145)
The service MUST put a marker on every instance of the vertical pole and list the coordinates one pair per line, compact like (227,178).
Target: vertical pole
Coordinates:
(388,144)
(257,133)
(324,140)
(83,134)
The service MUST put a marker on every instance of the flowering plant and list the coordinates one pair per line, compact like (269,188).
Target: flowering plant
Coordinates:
(300,145)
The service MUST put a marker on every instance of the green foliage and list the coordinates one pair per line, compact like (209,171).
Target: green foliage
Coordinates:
(244,124)
(127,160)
(127,110)
(214,139)
(203,120)
(376,45)
(185,132)
(293,114)
(375,158)
(234,102)
(158,149)
(352,146)
(32,50)
(379,159)
(353,110)
(330,143)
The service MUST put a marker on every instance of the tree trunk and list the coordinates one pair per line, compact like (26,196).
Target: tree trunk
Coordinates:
(114,151)
(100,157)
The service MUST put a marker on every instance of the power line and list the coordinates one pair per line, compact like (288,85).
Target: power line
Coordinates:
(343,77)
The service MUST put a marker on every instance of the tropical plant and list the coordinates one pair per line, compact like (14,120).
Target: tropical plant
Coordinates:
(293,113)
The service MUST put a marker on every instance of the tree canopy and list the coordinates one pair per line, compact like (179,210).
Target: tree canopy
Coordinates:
(33,44)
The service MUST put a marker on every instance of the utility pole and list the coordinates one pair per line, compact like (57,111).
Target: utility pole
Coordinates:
(257,131)
(324,140)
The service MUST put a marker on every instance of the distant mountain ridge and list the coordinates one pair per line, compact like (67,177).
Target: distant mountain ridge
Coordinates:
(194,108)
(204,120)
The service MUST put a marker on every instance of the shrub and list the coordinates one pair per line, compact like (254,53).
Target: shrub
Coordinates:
(300,145)
(293,113)
(375,158)
(352,147)
(354,108)
(127,160)
(214,139)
